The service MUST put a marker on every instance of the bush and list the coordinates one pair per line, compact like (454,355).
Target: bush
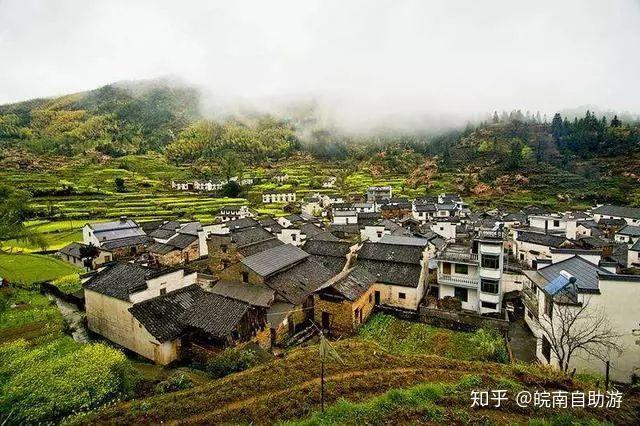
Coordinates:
(174,383)
(231,361)
(48,382)
(489,345)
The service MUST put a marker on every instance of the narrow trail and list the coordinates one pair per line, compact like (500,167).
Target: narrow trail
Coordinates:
(239,405)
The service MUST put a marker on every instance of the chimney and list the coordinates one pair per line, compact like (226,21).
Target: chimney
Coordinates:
(123,219)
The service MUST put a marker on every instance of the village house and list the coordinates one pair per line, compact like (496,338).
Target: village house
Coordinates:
(631,215)
(335,256)
(226,249)
(532,247)
(345,301)
(554,224)
(400,271)
(378,193)
(446,228)
(569,284)
(211,185)
(373,232)
(281,196)
(629,234)
(293,276)
(395,208)
(344,217)
(228,213)
(181,186)
(473,273)
(99,233)
(114,289)
(178,243)
(84,256)
(423,211)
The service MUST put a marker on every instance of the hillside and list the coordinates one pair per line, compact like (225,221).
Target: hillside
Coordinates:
(381,388)
(510,160)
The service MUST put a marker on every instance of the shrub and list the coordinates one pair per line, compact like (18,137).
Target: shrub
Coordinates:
(489,345)
(174,383)
(231,361)
(68,283)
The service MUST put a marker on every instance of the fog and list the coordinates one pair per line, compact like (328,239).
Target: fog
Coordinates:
(364,63)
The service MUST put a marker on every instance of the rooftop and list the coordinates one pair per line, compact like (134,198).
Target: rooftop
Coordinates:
(273,260)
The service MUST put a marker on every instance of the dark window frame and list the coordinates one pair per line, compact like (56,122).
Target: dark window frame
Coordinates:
(487,285)
(489,260)
(458,291)
(462,266)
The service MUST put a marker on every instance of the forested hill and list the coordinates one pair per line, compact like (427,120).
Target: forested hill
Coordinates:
(117,118)
(590,157)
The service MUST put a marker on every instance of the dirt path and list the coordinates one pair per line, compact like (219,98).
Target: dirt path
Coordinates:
(239,405)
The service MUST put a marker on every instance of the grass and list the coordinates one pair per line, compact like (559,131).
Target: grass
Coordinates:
(29,268)
(409,338)
(68,283)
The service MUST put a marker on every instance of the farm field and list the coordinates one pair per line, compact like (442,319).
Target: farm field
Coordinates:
(29,268)
(357,391)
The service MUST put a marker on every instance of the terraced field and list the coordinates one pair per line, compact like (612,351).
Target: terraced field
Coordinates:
(288,388)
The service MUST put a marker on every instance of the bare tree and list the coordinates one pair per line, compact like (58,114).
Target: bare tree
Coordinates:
(575,327)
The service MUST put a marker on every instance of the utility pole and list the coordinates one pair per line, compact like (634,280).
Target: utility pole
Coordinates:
(606,377)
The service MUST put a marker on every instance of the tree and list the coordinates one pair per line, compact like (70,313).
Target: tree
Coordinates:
(230,164)
(231,189)
(615,122)
(14,211)
(515,156)
(576,327)
(120,187)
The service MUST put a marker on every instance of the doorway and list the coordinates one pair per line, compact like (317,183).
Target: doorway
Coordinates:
(326,320)
(376,296)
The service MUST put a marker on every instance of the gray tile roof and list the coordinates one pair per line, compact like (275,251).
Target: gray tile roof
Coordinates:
(404,240)
(121,279)
(298,282)
(161,248)
(126,242)
(113,226)
(182,241)
(246,222)
(586,273)
(630,230)
(391,253)
(247,236)
(311,230)
(618,211)
(215,315)
(273,260)
(256,295)
(256,248)
(401,274)
(160,315)
(73,250)
(351,284)
(547,240)
(327,248)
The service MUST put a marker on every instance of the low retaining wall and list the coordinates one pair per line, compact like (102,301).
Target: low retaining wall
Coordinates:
(464,321)
(75,298)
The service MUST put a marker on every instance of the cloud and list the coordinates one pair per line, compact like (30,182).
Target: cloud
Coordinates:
(365,62)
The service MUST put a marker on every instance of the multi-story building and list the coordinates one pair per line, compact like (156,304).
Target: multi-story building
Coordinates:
(473,273)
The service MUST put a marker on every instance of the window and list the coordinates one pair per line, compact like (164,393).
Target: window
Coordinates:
(488,305)
(548,306)
(245,277)
(462,294)
(462,269)
(402,295)
(546,349)
(521,256)
(491,261)
(370,297)
(379,234)
(556,223)
(223,248)
(163,291)
(293,237)
(489,286)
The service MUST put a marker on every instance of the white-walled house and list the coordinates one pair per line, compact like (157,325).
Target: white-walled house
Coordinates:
(633,255)
(345,217)
(99,233)
(531,247)
(114,290)
(570,284)
(550,223)
(473,274)
(630,214)
(445,228)
(282,196)
(628,234)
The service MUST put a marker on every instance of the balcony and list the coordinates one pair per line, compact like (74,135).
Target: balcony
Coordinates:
(491,234)
(458,281)
(461,254)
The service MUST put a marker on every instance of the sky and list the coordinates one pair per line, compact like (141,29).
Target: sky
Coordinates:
(363,61)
